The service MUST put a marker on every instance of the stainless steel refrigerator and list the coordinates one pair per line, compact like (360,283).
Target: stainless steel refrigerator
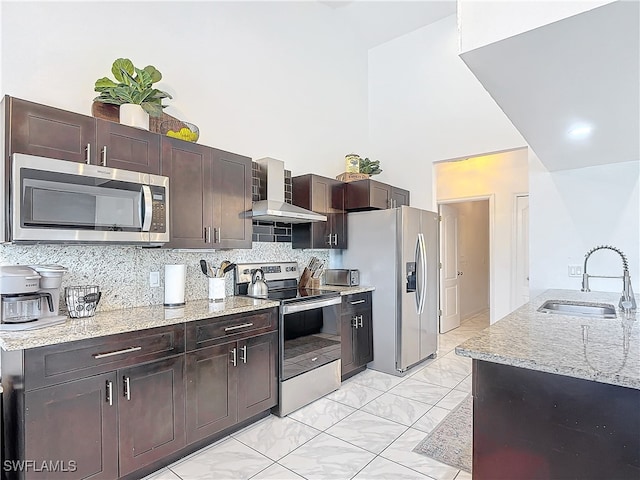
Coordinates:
(396,251)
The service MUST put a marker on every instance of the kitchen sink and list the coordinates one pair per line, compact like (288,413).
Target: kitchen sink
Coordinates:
(581,309)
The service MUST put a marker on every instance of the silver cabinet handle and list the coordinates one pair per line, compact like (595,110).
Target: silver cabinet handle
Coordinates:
(216,235)
(243,354)
(236,327)
(234,354)
(127,388)
(357,302)
(103,160)
(87,159)
(329,239)
(360,324)
(117,352)
(335,239)
(354,322)
(207,234)
(109,392)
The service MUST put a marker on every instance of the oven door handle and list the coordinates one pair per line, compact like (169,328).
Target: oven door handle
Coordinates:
(310,305)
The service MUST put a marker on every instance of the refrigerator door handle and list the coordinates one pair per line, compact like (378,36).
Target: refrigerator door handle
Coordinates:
(418,261)
(423,273)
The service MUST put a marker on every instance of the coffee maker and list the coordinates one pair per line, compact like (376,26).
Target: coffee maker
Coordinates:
(30,296)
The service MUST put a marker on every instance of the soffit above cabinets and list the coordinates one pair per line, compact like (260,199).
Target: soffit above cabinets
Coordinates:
(581,73)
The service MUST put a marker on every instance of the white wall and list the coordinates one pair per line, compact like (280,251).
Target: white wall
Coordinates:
(279,79)
(573,211)
(482,23)
(501,177)
(473,256)
(425,105)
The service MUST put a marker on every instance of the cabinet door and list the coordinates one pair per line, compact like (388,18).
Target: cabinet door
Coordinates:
(232,226)
(81,423)
(379,195)
(128,148)
(50,132)
(368,195)
(211,390)
(347,333)
(325,196)
(188,166)
(320,203)
(258,375)
(364,339)
(399,197)
(151,412)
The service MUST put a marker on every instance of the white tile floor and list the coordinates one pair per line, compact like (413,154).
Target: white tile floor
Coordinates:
(365,430)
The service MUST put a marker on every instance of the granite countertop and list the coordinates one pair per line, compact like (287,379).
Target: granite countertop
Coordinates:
(128,320)
(348,290)
(601,350)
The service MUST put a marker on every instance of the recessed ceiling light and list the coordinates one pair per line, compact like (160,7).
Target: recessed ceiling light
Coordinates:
(580,131)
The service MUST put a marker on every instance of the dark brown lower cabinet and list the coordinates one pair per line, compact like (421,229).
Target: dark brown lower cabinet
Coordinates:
(229,383)
(150,412)
(529,424)
(132,417)
(123,405)
(73,429)
(356,333)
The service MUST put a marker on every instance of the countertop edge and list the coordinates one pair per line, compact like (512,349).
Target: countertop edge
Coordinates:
(114,322)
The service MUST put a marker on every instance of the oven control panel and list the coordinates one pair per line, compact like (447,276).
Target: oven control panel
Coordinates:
(272,271)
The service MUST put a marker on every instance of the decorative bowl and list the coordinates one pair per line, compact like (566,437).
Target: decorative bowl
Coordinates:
(181,130)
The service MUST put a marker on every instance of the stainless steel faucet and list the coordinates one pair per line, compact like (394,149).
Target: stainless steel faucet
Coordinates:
(627,300)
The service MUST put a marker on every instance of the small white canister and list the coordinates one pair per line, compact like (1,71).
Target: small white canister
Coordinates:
(216,289)
(175,277)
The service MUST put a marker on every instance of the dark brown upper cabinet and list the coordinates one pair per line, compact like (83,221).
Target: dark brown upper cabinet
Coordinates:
(210,196)
(50,132)
(325,196)
(373,195)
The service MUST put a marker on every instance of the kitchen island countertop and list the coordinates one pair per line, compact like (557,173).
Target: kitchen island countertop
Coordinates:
(128,320)
(601,350)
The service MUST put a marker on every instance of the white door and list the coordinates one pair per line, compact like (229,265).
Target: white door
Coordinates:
(450,289)
(522,251)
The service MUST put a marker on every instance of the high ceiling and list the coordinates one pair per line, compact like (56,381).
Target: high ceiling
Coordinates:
(377,22)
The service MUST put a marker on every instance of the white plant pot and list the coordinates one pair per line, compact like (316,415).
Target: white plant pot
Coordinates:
(134,116)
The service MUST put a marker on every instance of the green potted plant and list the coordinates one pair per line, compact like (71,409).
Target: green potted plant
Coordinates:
(133,91)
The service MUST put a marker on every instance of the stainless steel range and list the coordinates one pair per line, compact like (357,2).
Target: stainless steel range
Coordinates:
(309,333)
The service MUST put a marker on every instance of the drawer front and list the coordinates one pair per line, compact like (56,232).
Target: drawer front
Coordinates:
(356,302)
(213,331)
(69,361)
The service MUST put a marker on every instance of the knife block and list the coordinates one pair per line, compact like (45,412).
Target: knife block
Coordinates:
(306,281)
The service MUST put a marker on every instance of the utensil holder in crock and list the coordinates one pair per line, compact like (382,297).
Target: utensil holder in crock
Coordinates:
(82,300)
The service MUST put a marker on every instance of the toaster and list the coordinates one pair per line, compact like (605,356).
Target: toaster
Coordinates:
(342,276)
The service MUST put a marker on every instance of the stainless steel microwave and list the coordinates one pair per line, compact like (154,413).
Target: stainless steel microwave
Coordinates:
(55,201)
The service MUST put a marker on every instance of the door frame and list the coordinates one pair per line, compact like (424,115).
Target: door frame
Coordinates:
(476,198)
(514,255)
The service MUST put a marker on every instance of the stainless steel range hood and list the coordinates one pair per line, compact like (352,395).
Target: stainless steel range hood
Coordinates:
(274,208)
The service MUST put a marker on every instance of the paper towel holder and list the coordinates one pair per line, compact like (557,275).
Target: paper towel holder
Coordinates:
(174,283)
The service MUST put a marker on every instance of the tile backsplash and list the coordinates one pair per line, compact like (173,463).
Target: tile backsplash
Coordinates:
(122,273)
(269,231)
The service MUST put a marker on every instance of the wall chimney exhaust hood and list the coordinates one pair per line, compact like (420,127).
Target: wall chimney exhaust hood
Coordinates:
(274,208)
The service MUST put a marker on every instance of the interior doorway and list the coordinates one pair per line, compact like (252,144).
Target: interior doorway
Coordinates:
(465,242)
(497,178)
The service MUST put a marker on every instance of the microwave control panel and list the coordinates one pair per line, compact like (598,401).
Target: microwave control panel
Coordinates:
(159,210)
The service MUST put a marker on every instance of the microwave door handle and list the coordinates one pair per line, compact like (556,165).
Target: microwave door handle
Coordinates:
(148,208)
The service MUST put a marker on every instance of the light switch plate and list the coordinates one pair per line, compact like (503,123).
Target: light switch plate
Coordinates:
(575,270)
(154,279)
